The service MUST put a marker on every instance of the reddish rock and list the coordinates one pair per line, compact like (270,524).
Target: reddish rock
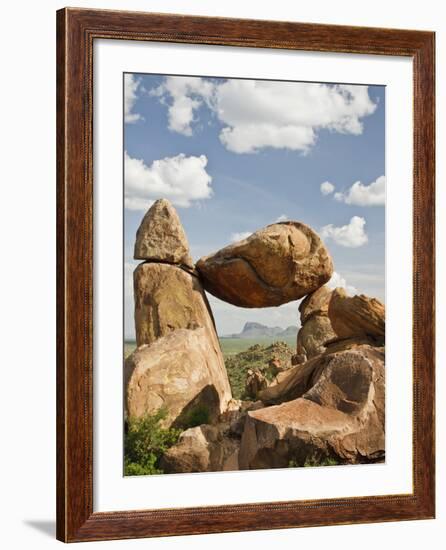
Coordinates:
(275,265)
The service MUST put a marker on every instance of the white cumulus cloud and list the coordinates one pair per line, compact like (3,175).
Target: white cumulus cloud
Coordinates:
(327,188)
(186,95)
(337,281)
(131,85)
(359,194)
(281,218)
(257,114)
(240,236)
(351,235)
(180,179)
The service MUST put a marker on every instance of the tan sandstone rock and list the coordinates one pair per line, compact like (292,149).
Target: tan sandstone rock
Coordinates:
(168,298)
(277,264)
(161,236)
(298,380)
(204,448)
(315,303)
(316,330)
(313,336)
(357,316)
(255,382)
(340,416)
(181,372)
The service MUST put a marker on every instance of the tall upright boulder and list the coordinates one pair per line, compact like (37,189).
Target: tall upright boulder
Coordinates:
(280,263)
(316,330)
(178,364)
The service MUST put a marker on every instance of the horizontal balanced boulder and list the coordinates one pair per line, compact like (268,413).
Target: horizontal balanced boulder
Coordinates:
(280,263)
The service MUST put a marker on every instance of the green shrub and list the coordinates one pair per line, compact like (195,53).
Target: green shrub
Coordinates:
(145,442)
(196,417)
(312,462)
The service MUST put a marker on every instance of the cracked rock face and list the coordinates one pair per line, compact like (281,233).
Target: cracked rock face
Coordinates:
(204,448)
(336,413)
(357,317)
(161,237)
(316,330)
(181,373)
(275,265)
(168,298)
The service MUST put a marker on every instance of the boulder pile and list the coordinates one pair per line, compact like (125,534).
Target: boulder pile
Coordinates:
(326,407)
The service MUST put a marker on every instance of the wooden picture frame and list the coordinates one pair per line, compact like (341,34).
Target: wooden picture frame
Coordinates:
(76,31)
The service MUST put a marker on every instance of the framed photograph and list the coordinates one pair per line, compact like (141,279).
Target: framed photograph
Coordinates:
(245,275)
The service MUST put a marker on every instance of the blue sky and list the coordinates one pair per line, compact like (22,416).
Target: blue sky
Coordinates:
(236,155)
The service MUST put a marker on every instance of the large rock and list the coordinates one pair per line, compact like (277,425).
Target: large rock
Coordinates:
(357,316)
(275,265)
(204,448)
(182,373)
(316,330)
(161,236)
(315,303)
(168,298)
(314,335)
(298,380)
(255,382)
(338,419)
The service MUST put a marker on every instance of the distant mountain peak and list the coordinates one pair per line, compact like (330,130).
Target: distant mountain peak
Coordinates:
(253,329)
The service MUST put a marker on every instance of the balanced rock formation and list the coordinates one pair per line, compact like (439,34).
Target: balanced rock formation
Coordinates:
(181,373)
(161,237)
(204,448)
(275,265)
(316,330)
(357,317)
(338,417)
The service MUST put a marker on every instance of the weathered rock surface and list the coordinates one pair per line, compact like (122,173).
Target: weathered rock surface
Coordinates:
(181,372)
(298,380)
(316,330)
(315,303)
(357,316)
(275,265)
(313,336)
(168,298)
(204,448)
(161,237)
(255,382)
(339,415)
